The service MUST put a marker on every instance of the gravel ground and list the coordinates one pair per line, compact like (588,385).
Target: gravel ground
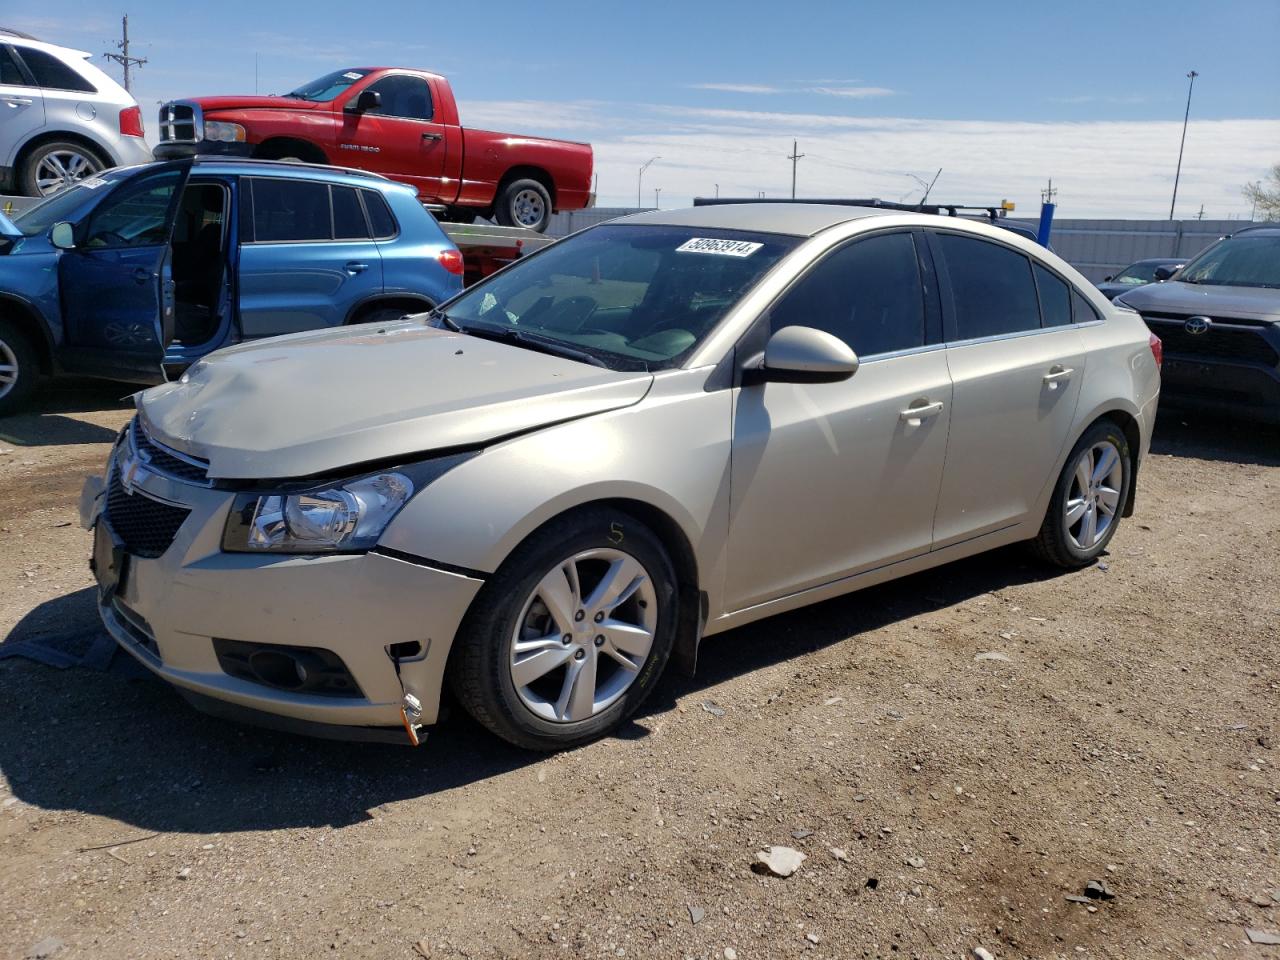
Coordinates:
(1123,735)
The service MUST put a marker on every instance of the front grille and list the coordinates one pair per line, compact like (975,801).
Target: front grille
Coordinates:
(145,526)
(180,122)
(164,460)
(1219,342)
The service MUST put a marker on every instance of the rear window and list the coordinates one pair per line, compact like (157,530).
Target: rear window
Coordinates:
(348,215)
(1055,298)
(52,74)
(380,217)
(1084,311)
(991,287)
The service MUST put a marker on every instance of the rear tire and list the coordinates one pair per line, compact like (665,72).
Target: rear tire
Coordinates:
(56,165)
(578,558)
(1088,499)
(19,367)
(524,203)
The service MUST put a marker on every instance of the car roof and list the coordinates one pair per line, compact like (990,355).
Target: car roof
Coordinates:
(236,166)
(1268,229)
(794,219)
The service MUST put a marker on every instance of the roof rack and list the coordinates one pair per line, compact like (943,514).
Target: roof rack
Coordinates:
(213,158)
(994,211)
(5,31)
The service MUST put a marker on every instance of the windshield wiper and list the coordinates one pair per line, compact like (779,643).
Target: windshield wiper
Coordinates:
(445,320)
(541,344)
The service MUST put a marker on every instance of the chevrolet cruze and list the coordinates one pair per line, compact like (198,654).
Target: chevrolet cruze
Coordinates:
(660,428)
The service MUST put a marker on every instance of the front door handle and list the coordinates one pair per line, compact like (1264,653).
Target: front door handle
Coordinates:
(142,275)
(432,136)
(1057,373)
(356,266)
(920,410)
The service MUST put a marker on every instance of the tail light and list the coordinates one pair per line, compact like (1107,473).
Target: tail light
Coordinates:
(131,122)
(1157,350)
(451,260)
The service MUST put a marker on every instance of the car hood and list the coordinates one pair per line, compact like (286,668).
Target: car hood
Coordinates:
(209,104)
(1174,296)
(319,403)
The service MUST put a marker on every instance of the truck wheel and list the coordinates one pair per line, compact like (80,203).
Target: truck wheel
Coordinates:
(524,203)
(19,368)
(55,166)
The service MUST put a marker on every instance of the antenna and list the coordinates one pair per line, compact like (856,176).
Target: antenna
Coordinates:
(123,58)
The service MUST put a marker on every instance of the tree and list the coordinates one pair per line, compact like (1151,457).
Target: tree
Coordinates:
(1265,196)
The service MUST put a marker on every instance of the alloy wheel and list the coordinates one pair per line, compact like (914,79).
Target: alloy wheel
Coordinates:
(63,168)
(8,369)
(583,635)
(527,208)
(1094,495)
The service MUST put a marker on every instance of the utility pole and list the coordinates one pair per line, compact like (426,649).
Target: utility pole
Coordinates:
(123,57)
(794,156)
(640,177)
(717,191)
(1185,117)
(1048,193)
(1200,215)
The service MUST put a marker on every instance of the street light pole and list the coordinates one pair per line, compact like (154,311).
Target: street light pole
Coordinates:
(656,192)
(640,177)
(1185,117)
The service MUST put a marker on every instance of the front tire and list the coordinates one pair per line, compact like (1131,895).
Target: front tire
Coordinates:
(1088,499)
(52,167)
(19,367)
(524,203)
(571,634)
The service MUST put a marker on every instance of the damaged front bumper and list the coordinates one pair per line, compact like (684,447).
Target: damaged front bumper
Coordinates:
(367,635)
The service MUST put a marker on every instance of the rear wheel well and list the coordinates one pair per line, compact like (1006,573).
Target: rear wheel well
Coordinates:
(407,304)
(25,319)
(1133,436)
(278,148)
(528,173)
(60,136)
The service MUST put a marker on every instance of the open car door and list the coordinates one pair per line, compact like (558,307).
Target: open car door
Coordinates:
(116,284)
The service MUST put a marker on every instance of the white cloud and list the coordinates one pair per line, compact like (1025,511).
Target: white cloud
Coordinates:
(823,89)
(857,93)
(738,87)
(1116,169)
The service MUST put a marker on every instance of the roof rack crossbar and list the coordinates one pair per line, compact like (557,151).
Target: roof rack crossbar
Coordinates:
(994,211)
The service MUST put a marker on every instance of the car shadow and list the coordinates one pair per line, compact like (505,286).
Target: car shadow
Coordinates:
(122,744)
(1204,436)
(45,421)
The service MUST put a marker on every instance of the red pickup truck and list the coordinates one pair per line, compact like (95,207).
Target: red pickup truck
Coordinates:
(399,123)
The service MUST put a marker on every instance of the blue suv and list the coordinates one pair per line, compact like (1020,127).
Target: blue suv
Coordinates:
(138,272)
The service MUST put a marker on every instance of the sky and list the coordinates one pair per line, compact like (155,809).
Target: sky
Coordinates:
(1001,96)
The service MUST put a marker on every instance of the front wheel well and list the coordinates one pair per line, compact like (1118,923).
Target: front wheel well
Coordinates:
(26,320)
(278,148)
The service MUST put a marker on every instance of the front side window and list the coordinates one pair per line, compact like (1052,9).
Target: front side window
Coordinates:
(991,288)
(1055,298)
(329,86)
(868,293)
(137,214)
(291,210)
(404,96)
(1239,261)
(52,74)
(633,297)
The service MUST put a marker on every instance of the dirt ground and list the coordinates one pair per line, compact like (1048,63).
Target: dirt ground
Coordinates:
(1128,739)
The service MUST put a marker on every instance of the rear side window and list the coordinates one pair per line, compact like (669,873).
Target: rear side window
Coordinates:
(10,73)
(348,215)
(380,218)
(52,74)
(867,293)
(1055,298)
(285,210)
(1084,311)
(991,287)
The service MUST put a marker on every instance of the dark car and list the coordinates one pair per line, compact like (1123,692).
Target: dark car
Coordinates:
(1219,319)
(1138,273)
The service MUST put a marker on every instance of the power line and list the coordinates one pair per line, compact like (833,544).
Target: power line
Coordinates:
(123,58)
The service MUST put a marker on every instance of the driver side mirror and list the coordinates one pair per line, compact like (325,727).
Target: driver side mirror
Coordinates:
(804,355)
(1163,273)
(63,236)
(1108,278)
(366,100)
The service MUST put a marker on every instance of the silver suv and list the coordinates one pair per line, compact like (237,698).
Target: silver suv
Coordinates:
(648,432)
(61,118)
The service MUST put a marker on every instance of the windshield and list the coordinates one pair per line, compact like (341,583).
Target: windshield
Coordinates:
(1137,273)
(1239,261)
(61,206)
(328,86)
(634,297)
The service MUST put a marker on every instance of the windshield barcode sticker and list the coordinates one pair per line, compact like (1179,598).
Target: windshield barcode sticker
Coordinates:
(724,248)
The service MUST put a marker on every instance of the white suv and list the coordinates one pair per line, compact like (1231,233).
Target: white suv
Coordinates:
(61,118)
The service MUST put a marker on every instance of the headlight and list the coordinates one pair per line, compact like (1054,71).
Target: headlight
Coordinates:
(223,132)
(340,517)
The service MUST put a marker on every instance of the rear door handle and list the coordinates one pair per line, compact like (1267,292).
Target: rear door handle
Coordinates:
(1056,374)
(920,410)
(355,266)
(18,101)
(432,136)
(142,275)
